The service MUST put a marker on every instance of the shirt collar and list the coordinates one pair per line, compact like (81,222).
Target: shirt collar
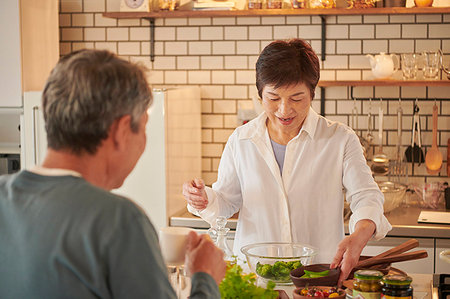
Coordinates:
(53,171)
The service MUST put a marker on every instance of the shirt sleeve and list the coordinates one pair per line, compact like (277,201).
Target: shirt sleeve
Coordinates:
(225,197)
(204,286)
(362,192)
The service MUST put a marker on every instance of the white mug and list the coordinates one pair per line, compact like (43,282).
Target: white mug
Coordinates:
(173,241)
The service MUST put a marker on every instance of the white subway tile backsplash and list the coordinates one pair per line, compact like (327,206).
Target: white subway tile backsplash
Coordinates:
(199,48)
(330,47)
(224,106)
(211,33)
(164,33)
(71,34)
(349,19)
(327,75)
(235,62)
(85,19)
(336,93)
(427,45)
(199,21)
(362,31)
(431,18)
(336,62)
(223,77)
(212,121)
(117,34)
(348,47)
(211,92)
(100,20)
(298,20)
(175,77)
(374,46)
(176,21)
(212,150)
(445,46)
(403,19)
(337,31)
(65,48)
(439,92)
(413,92)
(110,46)
(248,20)
(348,75)
(414,31)
(224,21)
(128,48)
(401,46)
(164,63)
(71,5)
(223,48)
(128,22)
(439,31)
(273,20)
(159,48)
(387,91)
(222,135)
(94,34)
(245,77)
(374,19)
(65,20)
(206,162)
(199,77)
(236,92)
(247,47)
(387,31)
(446,18)
(205,103)
(309,31)
(215,163)
(345,107)
(140,33)
(359,62)
(188,62)
(79,46)
(188,33)
(284,32)
(236,32)
(176,48)
(211,62)
(260,33)
(93,5)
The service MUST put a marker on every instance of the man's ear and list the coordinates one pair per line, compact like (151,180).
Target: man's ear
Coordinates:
(119,132)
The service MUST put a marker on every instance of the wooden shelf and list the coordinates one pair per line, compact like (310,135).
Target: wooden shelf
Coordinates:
(385,83)
(277,12)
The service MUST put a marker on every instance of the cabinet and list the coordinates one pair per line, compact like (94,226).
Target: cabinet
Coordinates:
(442,266)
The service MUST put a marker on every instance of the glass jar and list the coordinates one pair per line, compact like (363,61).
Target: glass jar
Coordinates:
(274,4)
(219,233)
(396,286)
(367,283)
(255,4)
(170,5)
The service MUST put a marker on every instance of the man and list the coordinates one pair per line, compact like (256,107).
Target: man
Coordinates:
(62,233)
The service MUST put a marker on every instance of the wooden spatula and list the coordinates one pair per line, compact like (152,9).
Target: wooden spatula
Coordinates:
(414,255)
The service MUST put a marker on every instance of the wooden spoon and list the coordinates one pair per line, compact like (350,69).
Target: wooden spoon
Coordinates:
(410,244)
(413,255)
(433,159)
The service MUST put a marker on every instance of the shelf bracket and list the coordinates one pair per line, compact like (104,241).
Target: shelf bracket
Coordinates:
(152,38)
(324,33)
(322,100)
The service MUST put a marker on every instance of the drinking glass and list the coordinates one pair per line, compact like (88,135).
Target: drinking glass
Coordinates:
(430,64)
(409,66)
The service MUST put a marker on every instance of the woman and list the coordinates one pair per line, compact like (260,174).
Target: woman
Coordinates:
(287,170)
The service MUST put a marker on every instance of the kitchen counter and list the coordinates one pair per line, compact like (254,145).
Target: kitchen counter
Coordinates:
(403,220)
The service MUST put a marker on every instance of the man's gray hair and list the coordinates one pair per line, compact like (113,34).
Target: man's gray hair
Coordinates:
(85,93)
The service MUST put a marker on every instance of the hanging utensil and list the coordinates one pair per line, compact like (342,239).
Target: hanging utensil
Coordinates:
(433,159)
(380,165)
(354,124)
(414,152)
(399,169)
(369,136)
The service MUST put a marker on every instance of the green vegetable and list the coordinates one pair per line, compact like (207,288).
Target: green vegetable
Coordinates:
(312,274)
(236,285)
(279,271)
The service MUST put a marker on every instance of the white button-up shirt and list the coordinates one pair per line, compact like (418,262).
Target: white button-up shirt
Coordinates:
(305,203)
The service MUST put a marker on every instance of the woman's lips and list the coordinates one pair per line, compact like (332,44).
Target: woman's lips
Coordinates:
(286,121)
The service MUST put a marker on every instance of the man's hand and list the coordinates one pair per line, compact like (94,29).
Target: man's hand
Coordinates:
(350,248)
(203,256)
(195,194)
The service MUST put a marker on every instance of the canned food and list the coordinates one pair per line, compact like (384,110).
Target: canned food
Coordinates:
(367,283)
(396,286)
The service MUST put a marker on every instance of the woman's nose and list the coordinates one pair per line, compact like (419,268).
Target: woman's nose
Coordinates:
(284,107)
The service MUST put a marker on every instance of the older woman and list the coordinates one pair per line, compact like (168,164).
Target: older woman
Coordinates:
(286,171)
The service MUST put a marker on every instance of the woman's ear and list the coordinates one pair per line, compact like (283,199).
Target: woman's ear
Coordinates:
(120,132)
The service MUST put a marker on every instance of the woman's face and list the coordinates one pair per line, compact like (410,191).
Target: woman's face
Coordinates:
(286,108)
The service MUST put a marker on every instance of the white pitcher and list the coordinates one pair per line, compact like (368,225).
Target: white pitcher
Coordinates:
(382,65)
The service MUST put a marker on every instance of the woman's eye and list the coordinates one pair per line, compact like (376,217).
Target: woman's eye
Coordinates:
(273,99)
(297,99)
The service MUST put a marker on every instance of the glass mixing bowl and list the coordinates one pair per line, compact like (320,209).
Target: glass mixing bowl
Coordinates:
(275,260)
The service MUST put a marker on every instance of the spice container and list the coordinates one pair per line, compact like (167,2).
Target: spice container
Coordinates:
(396,286)
(298,3)
(367,283)
(255,4)
(274,4)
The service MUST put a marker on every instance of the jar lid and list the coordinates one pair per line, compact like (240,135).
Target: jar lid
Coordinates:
(397,280)
(368,274)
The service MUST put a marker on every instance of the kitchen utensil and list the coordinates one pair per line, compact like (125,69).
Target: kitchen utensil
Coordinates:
(413,255)
(354,124)
(408,245)
(260,255)
(369,136)
(393,195)
(380,165)
(382,65)
(329,280)
(398,170)
(433,159)
(414,152)
(448,157)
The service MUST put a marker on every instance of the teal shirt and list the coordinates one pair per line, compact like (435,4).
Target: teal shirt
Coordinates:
(61,237)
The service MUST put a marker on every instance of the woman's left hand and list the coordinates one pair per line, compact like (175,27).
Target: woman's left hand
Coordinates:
(350,248)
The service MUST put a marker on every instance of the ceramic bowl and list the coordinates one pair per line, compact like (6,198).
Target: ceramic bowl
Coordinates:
(275,260)
(297,295)
(330,280)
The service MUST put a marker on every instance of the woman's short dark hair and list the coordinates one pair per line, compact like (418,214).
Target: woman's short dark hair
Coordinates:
(284,63)
(85,93)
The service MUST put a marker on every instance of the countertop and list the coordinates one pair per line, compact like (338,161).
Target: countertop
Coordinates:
(403,220)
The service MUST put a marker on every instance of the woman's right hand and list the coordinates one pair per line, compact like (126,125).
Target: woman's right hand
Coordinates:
(195,194)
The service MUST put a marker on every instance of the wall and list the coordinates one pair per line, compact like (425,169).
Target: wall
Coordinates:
(219,55)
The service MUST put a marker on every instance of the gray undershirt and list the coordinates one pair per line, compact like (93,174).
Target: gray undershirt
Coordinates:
(279,150)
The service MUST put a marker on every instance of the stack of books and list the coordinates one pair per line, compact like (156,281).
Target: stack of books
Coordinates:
(213,5)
